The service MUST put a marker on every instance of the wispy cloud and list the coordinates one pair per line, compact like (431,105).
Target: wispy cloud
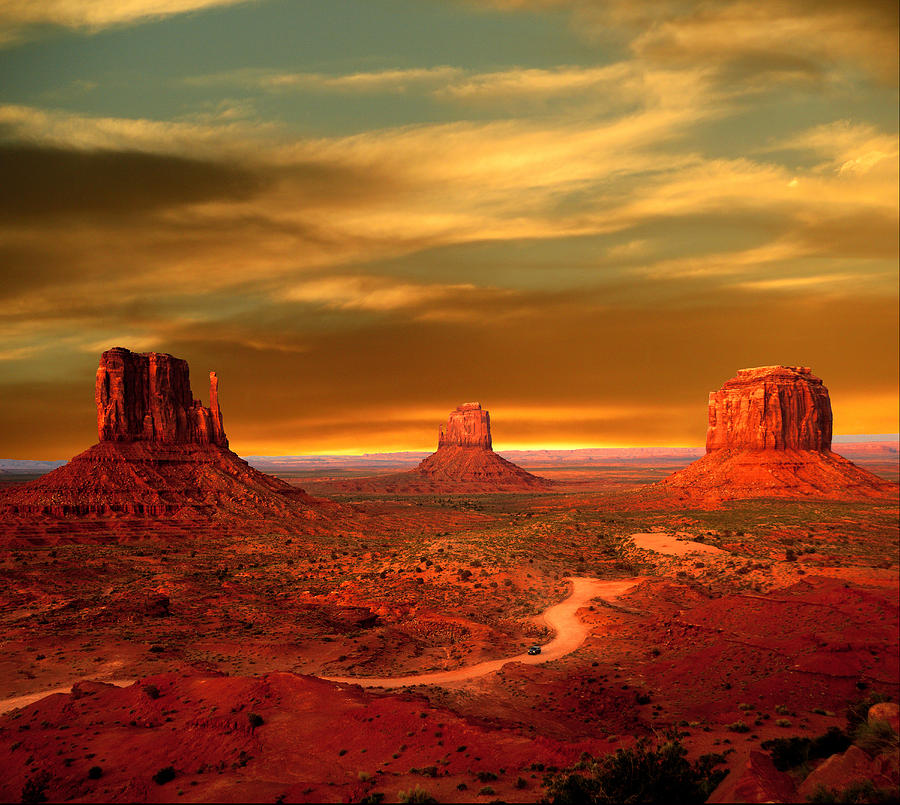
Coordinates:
(18,16)
(359,82)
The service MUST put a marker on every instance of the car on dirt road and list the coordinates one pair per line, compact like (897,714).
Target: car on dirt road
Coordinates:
(534,650)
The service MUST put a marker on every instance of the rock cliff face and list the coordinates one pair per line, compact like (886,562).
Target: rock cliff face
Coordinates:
(769,435)
(147,397)
(161,454)
(468,426)
(770,408)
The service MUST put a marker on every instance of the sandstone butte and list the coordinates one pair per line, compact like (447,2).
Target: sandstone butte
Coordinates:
(160,453)
(769,435)
(465,457)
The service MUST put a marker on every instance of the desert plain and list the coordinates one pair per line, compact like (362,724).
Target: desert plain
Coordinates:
(228,637)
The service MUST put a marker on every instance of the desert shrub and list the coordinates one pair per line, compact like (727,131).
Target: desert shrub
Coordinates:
(486,776)
(255,719)
(95,773)
(738,726)
(644,773)
(791,753)
(486,791)
(521,783)
(782,722)
(417,796)
(875,737)
(164,775)
(861,791)
(372,798)
(151,691)
(35,788)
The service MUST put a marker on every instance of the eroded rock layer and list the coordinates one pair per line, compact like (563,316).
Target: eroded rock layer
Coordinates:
(147,397)
(770,408)
(769,435)
(468,426)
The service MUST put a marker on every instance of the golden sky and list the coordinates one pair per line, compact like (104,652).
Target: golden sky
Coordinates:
(361,213)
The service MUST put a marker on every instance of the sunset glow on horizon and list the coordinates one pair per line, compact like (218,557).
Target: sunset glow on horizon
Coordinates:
(362,213)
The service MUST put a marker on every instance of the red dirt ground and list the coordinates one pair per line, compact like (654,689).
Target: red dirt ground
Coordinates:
(794,620)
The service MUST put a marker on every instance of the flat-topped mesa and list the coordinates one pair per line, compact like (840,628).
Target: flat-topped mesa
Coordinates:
(469,425)
(770,408)
(146,397)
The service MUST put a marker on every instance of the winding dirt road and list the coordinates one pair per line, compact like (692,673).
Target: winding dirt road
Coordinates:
(561,618)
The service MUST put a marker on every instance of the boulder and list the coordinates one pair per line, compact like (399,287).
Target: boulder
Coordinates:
(886,711)
(842,770)
(757,781)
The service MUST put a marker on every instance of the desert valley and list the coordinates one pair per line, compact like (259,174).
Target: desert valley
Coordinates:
(179,626)
(414,401)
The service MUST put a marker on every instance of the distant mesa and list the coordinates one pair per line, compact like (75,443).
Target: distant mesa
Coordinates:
(465,456)
(161,453)
(464,462)
(769,435)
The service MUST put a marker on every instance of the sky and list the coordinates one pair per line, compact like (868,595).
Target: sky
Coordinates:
(585,214)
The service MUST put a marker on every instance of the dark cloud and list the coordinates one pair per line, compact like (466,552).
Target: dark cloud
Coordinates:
(41,182)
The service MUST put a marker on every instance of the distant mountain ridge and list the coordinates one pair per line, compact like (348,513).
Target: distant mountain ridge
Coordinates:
(882,447)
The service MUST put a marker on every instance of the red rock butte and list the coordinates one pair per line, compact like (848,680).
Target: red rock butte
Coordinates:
(769,435)
(468,426)
(465,457)
(161,454)
(147,397)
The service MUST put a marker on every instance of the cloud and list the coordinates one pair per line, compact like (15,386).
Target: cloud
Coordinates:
(42,182)
(360,82)
(18,16)
(373,293)
(755,42)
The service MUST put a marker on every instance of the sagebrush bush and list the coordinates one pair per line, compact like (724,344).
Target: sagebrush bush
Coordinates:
(644,773)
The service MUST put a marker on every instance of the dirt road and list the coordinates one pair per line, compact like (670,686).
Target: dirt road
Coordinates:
(561,618)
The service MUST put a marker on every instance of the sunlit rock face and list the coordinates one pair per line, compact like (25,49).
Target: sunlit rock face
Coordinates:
(161,454)
(769,436)
(469,425)
(770,408)
(147,397)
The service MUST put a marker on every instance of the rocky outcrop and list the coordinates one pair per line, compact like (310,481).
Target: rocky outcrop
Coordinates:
(161,454)
(769,435)
(770,408)
(468,426)
(147,397)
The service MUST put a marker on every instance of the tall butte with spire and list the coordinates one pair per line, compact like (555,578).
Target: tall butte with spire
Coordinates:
(465,457)
(769,435)
(160,453)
